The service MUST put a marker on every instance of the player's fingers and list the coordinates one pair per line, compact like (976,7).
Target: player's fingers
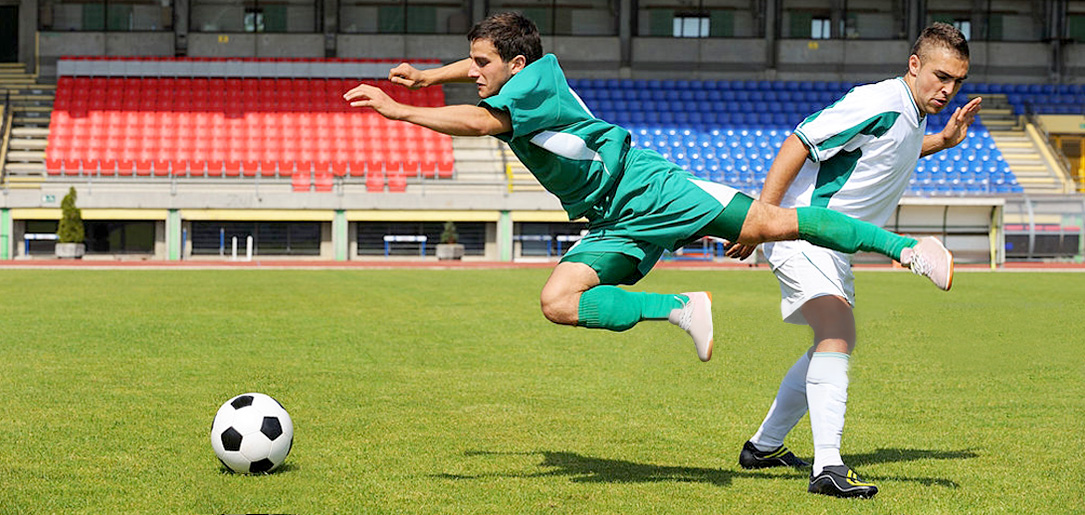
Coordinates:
(402,81)
(359,91)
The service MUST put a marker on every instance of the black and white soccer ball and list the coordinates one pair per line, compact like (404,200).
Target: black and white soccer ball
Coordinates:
(252,434)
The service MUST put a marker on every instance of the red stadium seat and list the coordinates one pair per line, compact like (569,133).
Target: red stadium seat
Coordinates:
(397,182)
(300,180)
(322,180)
(374,181)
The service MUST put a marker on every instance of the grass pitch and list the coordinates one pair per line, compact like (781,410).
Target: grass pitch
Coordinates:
(421,391)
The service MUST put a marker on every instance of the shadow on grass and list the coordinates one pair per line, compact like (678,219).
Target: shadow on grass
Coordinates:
(587,469)
(898,455)
(283,469)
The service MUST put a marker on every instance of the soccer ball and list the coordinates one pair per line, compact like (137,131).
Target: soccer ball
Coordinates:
(252,434)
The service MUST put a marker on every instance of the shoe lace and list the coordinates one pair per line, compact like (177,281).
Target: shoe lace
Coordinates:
(920,265)
(685,317)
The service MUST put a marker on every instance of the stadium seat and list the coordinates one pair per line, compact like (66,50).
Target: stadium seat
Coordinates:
(301,180)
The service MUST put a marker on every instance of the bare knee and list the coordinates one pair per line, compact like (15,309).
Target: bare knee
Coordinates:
(833,323)
(559,307)
(560,297)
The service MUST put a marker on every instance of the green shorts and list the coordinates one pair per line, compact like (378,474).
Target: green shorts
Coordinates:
(656,206)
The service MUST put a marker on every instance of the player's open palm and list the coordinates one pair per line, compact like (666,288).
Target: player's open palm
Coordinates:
(364,95)
(738,251)
(957,127)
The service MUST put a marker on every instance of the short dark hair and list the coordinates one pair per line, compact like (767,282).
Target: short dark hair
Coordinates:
(943,35)
(512,34)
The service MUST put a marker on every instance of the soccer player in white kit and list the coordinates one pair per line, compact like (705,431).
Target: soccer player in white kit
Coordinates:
(856,157)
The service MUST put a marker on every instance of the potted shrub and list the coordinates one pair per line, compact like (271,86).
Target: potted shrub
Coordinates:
(449,248)
(70,233)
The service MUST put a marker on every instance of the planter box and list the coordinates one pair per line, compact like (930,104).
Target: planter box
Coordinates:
(70,250)
(449,251)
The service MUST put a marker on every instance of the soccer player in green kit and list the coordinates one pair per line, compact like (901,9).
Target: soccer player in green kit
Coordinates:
(636,202)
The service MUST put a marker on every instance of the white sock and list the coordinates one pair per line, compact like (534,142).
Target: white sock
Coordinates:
(787,409)
(827,395)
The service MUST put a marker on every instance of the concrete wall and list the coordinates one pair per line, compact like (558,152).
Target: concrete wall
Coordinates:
(1010,62)
(699,58)
(600,57)
(849,60)
(53,45)
(202,44)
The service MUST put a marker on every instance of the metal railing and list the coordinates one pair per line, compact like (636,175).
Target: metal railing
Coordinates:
(5,129)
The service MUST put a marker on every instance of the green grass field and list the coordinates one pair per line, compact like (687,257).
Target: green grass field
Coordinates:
(426,391)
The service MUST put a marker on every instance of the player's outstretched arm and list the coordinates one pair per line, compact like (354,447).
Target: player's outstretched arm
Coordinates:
(455,120)
(955,130)
(411,77)
(781,174)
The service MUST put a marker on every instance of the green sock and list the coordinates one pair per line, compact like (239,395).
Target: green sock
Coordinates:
(840,232)
(610,307)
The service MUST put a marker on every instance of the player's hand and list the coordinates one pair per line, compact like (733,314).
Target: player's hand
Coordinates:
(406,75)
(737,250)
(957,127)
(364,95)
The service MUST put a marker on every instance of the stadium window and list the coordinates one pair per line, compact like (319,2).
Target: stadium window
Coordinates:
(119,236)
(1075,27)
(269,238)
(106,15)
(699,19)
(253,16)
(371,237)
(965,26)
(254,20)
(37,247)
(404,17)
(690,27)
(820,28)
(582,18)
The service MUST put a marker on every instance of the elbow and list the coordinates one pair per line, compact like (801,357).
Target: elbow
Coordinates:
(480,126)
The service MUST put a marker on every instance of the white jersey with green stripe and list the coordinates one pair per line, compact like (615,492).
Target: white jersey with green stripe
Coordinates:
(573,154)
(862,150)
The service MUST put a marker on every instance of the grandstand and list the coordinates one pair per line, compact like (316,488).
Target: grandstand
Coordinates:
(174,156)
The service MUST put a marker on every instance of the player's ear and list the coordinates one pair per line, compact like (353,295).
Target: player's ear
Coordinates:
(914,64)
(517,63)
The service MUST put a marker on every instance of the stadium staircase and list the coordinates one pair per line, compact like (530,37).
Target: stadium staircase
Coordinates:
(25,126)
(1022,151)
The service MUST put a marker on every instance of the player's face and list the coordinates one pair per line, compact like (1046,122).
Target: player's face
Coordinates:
(488,70)
(936,78)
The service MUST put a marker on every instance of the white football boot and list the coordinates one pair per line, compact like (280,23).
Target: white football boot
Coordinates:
(930,259)
(695,317)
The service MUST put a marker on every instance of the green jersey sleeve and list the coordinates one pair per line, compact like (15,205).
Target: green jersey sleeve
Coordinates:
(531,98)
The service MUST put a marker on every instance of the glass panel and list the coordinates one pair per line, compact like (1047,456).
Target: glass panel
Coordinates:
(269,238)
(995,20)
(1075,27)
(119,237)
(582,18)
(254,16)
(409,16)
(91,15)
(472,235)
(714,18)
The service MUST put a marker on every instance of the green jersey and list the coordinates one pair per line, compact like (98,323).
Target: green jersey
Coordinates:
(574,155)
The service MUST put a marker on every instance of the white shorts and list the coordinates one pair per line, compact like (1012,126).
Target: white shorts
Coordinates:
(814,272)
